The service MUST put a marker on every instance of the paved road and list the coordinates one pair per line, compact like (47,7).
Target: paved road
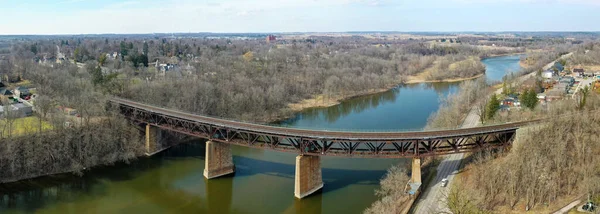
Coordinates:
(433,199)
(582,84)
(568,207)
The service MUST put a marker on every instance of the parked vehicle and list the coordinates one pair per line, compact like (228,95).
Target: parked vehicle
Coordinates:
(444,182)
(589,206)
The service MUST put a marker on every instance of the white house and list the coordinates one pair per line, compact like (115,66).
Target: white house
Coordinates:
(547,74)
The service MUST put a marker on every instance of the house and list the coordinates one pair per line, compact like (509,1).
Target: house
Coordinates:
(541,97)
(271,38)
(16,111)
(568,81)
(511,101)
(166,67)
(21,92)
(22,110)
(554,94)
(548,74)
(564,87)
(6,94)
(579,71)
(559,66)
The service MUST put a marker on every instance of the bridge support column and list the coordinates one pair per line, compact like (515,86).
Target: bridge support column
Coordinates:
(308,175)
(152,139)
(415,176)
(219,160)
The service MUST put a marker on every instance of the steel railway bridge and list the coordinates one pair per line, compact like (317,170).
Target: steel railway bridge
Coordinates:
(310,144)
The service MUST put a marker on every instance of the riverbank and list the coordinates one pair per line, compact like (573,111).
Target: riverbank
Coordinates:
(71,150)
(421,79)
(501,55)
(323,101)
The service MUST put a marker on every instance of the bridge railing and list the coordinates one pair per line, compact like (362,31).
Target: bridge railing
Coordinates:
(312,128)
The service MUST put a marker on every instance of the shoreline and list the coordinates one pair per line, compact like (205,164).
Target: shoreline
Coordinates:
(458,79)
(501,55)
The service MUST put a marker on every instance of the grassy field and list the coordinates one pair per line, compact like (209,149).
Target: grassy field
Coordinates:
(23,126)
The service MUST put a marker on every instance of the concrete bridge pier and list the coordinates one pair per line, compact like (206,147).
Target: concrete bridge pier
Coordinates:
(153,136)
(219,160)
(308,177)
(415,176)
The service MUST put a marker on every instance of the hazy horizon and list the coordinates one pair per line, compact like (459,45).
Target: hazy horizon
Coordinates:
(433,32)
(75,17)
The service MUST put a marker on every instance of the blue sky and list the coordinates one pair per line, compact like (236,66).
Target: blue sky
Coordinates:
(154,16)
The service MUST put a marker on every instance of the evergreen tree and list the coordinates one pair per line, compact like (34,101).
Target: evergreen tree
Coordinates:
(532,99)
(493,106)
(529,99)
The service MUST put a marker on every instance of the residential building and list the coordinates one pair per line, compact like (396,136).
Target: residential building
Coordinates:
(271,38)
(559,66)
(568,81)
(16,111)
(579,71)
(22,110)
(564,87)
(541,97)
(511,101)
(554,94)
(6,94)
(21,92)
(547,74)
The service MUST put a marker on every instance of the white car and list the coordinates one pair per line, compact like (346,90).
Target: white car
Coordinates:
(444,182)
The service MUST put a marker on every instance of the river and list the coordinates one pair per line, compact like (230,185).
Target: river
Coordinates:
(172,182)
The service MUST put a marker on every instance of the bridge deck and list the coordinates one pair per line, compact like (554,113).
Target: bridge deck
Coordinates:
(322,142)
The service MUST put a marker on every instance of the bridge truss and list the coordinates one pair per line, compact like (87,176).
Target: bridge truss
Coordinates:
(328,143)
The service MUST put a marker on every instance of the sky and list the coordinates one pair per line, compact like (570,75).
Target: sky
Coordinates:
(262,16)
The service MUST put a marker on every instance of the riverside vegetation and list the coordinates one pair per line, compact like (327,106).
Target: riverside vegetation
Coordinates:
(99,137)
